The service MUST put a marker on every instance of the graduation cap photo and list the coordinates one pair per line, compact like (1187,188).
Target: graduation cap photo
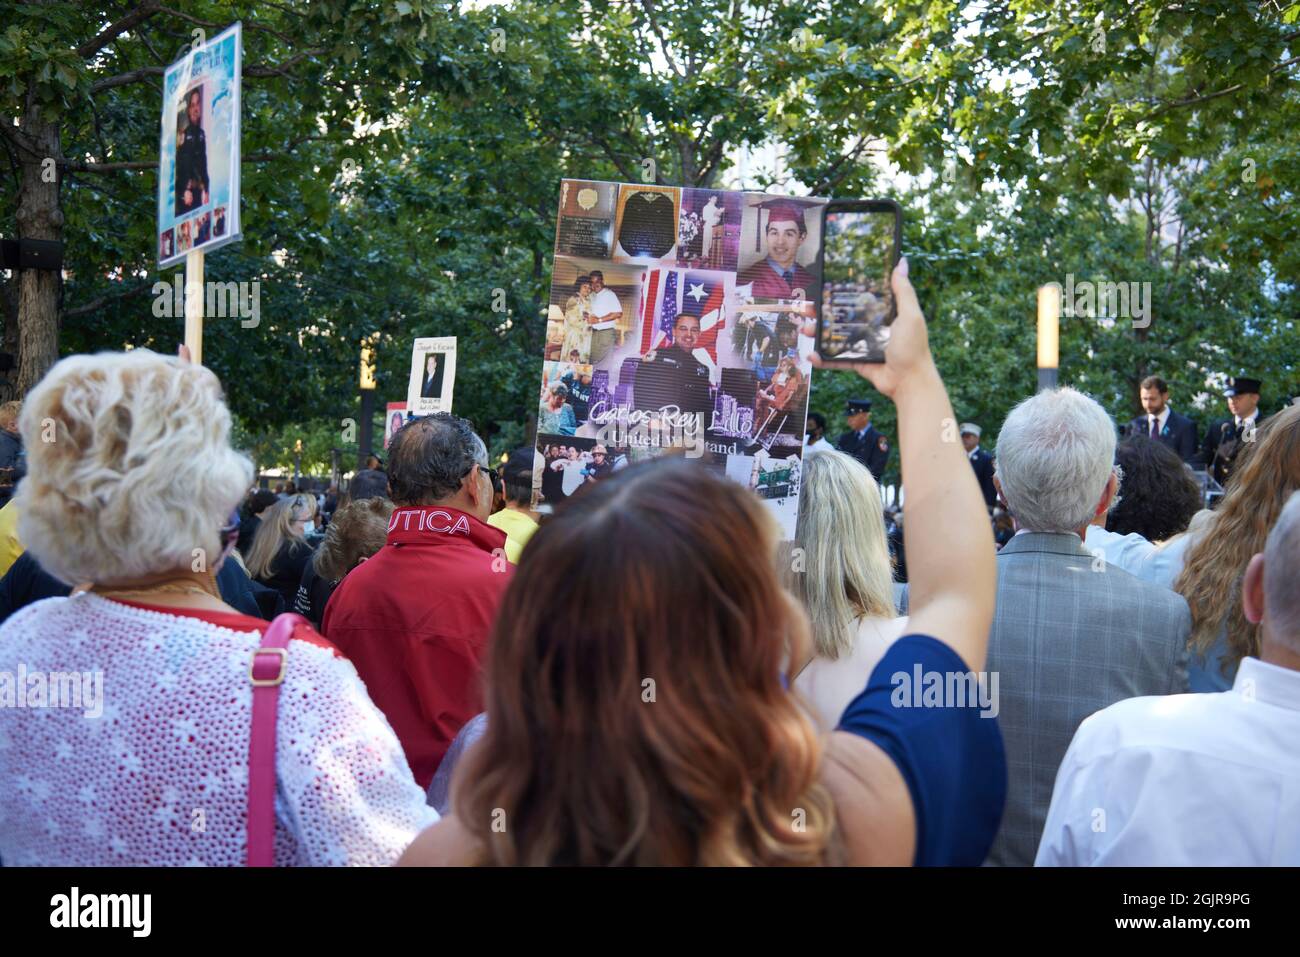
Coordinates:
(779,240)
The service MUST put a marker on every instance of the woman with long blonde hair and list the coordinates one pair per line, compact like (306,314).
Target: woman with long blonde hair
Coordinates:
(840,568)
(1266,474)
(637,710)
(280,549)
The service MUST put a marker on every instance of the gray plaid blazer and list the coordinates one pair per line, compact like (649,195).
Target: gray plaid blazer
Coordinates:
(1071,635)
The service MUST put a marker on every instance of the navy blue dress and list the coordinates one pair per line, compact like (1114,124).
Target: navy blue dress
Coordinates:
(950,756)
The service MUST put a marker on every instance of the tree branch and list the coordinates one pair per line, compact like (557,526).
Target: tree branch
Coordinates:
(137,16)
(283,68)
(256,69)
(19,138)
(216,25)
(75,166)
(105,300)
(1192,101)
(648,6)
(124,78)
(825,181)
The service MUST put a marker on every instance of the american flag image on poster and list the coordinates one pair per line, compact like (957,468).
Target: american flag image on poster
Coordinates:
(627,376)
(670,292)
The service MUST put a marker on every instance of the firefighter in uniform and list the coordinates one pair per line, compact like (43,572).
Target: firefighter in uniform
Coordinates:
(862,441)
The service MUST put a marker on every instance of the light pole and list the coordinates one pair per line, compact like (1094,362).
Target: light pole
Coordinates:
(1049,334)
(367,397)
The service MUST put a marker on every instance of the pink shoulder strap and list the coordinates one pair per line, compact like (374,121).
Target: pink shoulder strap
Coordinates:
(266,668)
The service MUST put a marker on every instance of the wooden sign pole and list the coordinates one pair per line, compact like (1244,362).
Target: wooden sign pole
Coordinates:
(194,304)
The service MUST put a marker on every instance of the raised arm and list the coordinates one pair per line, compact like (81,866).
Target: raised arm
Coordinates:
(950,552)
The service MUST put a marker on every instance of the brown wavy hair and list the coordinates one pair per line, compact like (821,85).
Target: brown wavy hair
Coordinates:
(356,531)
(1267,472)
(636,711)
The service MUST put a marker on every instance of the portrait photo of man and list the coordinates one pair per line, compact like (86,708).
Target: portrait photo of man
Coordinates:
(431,384)
(782,241)
(671,376)
(192,182)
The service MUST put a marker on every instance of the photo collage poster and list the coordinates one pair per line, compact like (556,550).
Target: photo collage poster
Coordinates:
(673,327)
(198,159)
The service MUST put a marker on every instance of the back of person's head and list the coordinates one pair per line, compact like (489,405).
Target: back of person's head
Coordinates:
(9,413)
(841,569)
(1281,572)
(1055,454)
(368,483)
(356,531)
(280,526)
(1157,495)
(261,500)
(1266,473)
(637,710)
(140,471)
(430,456)
(517,477)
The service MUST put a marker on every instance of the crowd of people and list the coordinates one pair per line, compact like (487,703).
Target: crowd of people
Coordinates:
(1086,668)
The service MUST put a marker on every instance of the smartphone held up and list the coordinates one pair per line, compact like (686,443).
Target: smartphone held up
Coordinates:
(860,247)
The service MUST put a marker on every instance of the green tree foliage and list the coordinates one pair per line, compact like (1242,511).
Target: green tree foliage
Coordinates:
(402,163)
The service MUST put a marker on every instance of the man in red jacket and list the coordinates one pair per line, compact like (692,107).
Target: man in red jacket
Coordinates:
(415,618)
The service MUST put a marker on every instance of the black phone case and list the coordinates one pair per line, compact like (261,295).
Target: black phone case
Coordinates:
(856,206)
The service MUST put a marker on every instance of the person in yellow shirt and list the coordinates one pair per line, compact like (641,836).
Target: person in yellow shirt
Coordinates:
(517,519)
(10,546)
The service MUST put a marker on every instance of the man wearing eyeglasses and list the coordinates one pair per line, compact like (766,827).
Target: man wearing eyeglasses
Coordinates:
(414,619)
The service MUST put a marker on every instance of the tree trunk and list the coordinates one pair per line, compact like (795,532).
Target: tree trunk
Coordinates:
(39,216)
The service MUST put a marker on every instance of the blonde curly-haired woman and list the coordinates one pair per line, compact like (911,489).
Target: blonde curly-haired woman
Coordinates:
(130,477)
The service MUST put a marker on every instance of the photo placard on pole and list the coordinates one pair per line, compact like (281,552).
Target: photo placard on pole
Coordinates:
(198,157)
(433,375)
(394,419)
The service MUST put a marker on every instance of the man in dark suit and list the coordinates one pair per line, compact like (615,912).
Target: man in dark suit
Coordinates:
(862,441)
(1225,438)
(1161,423)
(431,385)
(980,461)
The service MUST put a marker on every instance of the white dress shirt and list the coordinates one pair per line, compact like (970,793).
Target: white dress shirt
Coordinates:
(602,304)
(1159,564)
(1184,780)
(821,445)
(1161,419)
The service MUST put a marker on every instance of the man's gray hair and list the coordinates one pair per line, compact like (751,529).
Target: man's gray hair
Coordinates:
(1281,569)
(429,456)
(1055,453)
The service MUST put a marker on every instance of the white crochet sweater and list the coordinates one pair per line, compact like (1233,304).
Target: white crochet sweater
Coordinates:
(161,776)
